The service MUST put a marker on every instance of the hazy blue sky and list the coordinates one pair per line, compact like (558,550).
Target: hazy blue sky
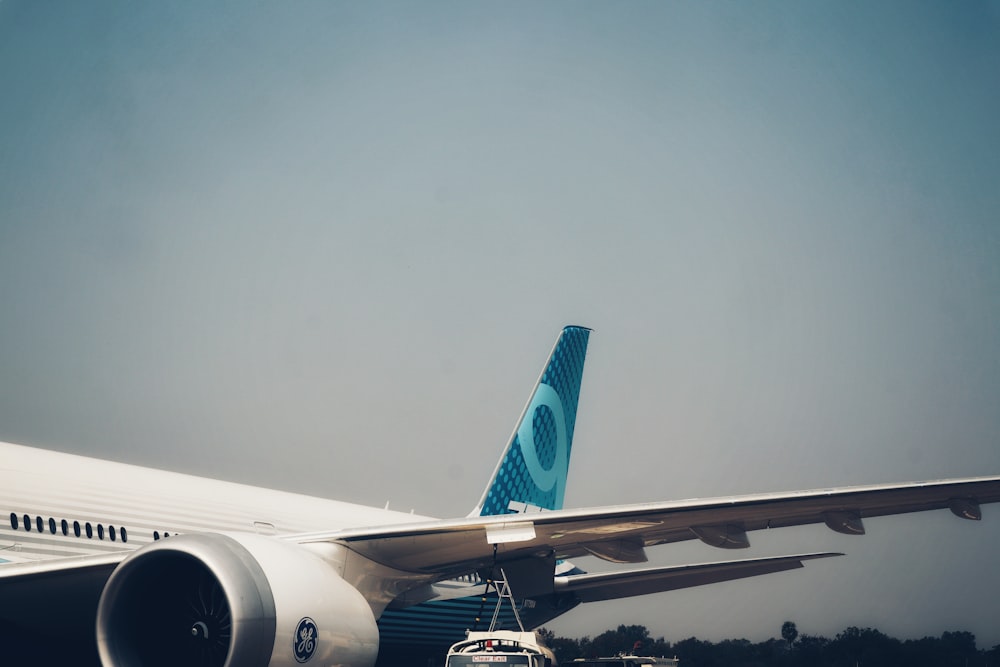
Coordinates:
(326,247)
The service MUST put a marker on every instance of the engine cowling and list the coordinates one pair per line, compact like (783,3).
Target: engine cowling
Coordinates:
(233,600)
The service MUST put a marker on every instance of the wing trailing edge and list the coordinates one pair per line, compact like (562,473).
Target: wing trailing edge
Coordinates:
(612,585)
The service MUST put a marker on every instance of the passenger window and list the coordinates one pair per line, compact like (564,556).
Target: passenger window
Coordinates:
(124,535)
(13,521)
(27,523)
(156,534)
(65,527)
(100,531)
(39,524)
(90,531)
(52,526)
(111,533)
(76,528)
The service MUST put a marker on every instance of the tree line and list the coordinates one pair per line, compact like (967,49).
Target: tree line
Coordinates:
(854,647)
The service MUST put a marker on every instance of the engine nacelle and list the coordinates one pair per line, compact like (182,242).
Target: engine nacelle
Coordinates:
(233,600)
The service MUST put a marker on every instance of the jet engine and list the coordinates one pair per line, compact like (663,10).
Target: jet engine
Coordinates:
(233,600)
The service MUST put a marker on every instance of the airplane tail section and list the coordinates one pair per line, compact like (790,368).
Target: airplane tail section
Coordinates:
(531,474)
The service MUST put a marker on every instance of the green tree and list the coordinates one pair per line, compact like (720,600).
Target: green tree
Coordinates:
(856,647)
(623,639)
(694,652)
(812,651)
(789,632)
(958,648)
(564,648)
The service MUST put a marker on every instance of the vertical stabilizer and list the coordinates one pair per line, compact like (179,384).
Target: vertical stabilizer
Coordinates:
(531,474)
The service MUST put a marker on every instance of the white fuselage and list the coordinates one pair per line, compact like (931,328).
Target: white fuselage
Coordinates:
(42,492)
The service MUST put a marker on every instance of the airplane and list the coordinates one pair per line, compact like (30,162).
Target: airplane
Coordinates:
(126,566)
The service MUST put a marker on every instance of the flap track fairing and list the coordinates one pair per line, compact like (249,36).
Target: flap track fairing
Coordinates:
(966,508)
(725,536)
(847,522)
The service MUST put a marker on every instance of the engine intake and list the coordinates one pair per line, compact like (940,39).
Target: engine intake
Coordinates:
(213,600)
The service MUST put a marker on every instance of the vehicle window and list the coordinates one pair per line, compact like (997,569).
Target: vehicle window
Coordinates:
(485,660)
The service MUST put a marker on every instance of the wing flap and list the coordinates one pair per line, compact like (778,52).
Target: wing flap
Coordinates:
(613,585)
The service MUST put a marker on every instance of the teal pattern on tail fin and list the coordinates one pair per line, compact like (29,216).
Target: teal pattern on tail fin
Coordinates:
(532,471)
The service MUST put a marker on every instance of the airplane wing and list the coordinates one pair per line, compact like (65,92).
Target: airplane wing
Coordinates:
(594,587)
(100,565)
(621,534)
(440,549)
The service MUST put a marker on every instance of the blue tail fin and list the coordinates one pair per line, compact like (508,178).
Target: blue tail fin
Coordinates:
(532,471)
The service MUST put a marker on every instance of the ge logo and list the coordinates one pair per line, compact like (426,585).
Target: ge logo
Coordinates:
(304,641)
(554,476)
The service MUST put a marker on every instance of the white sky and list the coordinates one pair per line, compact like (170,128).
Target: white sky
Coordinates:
(325,248)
